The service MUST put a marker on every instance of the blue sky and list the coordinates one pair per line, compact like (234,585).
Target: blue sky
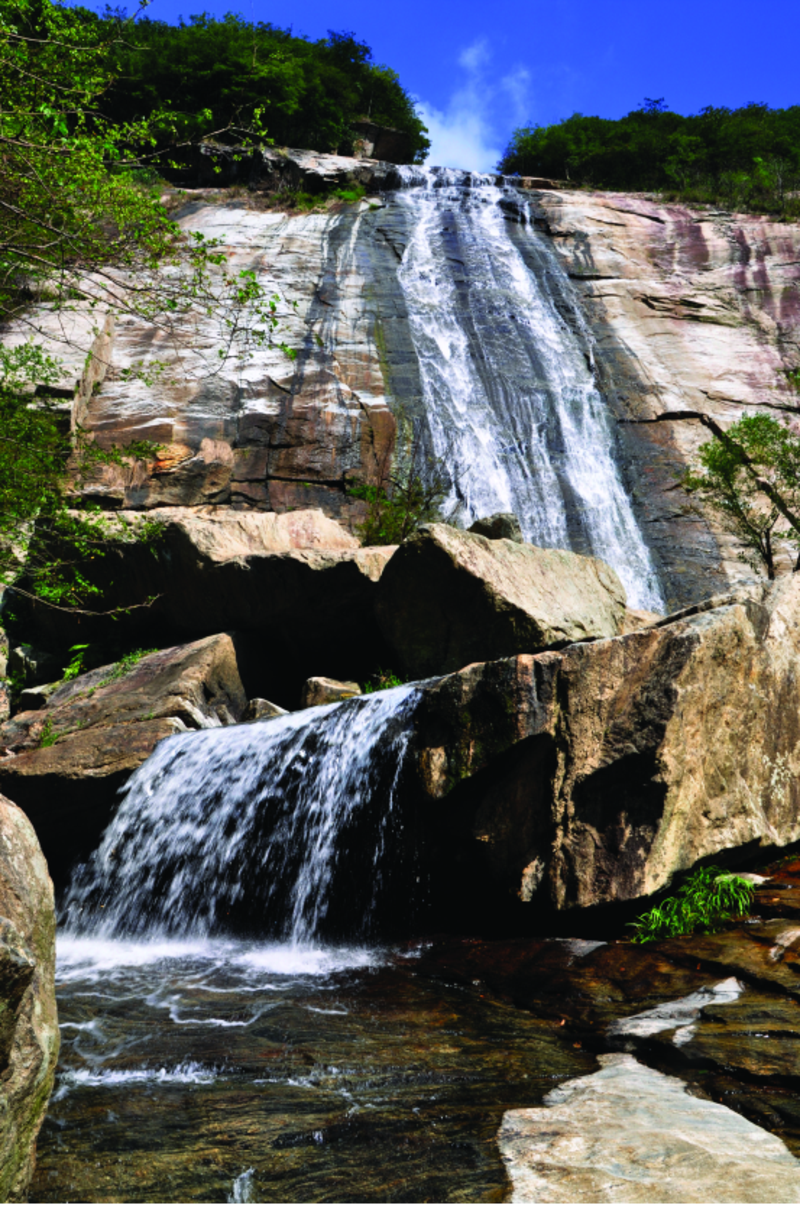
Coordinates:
(478,69)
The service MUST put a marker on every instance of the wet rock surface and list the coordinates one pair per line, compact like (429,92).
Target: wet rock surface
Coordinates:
(720,1012)
(628,1133)
(29,1035)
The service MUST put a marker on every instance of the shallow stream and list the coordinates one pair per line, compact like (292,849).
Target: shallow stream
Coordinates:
(222,1071)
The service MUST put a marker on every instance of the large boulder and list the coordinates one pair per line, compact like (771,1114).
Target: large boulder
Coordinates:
(299,583)
(595,773)
(29,1036)
(451,597)
(65,762)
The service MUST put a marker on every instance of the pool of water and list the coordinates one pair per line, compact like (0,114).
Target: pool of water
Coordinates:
(231,1071)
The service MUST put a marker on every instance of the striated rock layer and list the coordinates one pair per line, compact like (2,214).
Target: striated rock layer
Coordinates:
(689,310)
(29,1036)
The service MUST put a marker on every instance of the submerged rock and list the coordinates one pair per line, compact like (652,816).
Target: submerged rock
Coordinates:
(448,598)
(629,1133)
(29,1036)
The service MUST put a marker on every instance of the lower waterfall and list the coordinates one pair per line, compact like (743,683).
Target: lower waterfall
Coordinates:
(257,827)
(505,361)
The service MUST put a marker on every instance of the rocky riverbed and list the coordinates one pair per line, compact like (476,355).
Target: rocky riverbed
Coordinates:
(452,1069)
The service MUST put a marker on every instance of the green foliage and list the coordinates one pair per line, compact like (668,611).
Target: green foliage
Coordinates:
(81,224)
(741,159)
(752,479)
(793,377)
(406,494)
(382,679)
(44,546)
(707,899)
(75,666)
(125,665)
(306,201)
(47,736)
(211,76)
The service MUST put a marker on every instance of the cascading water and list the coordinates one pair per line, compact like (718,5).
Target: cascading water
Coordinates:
(258,827)
(287,831)
(508,388)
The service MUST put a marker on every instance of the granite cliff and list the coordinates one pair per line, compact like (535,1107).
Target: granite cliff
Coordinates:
(672,309)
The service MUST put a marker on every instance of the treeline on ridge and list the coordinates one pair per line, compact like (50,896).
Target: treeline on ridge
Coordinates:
(740,159)
(206,75)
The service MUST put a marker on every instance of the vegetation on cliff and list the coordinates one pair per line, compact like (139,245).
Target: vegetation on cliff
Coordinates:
(742,159)
(205,77)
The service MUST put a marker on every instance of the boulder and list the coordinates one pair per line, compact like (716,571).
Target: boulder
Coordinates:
(65,762)
(31,665)
(273,576)
(611,766)
(629,1133)
(501,526)
(34,697)
(450,597)
(318,691)
(29,1036)
(261,709)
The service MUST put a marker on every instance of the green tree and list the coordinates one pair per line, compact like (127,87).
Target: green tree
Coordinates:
(208,74)
(80,227)
(749,474)
(747,158)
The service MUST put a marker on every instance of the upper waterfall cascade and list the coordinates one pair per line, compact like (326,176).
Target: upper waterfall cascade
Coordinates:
(256,825)
(505,360)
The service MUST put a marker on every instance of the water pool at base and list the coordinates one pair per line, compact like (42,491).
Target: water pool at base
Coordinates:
(227,1071)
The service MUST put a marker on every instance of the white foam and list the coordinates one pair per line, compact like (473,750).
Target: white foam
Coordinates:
(84,1077)
(90,958)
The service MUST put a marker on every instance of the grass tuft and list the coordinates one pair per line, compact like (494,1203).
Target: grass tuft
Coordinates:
(707,899)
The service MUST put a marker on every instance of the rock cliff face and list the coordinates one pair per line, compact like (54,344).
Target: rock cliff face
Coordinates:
(690,310)
(29,1036)
(676,309)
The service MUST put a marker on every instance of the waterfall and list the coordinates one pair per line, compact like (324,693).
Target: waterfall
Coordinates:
(508,386)
(277,826)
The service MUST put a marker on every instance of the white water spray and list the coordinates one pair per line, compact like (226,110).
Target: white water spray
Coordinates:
(507,383)
(260,826)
